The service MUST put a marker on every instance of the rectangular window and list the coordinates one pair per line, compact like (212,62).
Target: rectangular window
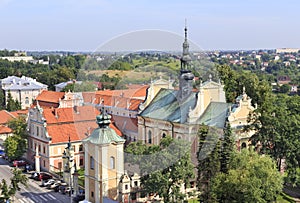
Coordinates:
(92,164)
(80,148)
(112,162)
(81,162)
(59,165)
(44,150)
(44,163)
(37,131)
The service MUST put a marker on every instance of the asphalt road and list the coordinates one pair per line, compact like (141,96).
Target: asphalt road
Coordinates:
(33,193)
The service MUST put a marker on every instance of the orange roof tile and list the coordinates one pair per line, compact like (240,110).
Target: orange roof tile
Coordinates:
(5,129)
(69,123)
(64,115)
(5,116)
(50,96)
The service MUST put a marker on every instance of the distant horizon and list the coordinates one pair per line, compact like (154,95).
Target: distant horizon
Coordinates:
(133,51)
(85,25)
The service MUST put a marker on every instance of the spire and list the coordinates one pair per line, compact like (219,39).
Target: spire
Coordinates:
(185,59)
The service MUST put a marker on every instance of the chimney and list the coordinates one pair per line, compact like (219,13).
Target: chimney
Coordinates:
(76,109)
(55,113)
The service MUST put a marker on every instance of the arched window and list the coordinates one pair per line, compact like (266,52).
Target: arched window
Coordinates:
(26,100)
(92,163)
(149,137)
(112,162)
(244,145)
(164,135)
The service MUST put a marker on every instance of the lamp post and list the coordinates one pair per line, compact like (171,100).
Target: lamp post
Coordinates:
(68,160)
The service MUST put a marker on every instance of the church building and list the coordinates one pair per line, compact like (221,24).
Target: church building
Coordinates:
(179,113)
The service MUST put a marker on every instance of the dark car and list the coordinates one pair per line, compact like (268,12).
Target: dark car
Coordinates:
(79,198)
(2,153)
(18,163)
(43,176)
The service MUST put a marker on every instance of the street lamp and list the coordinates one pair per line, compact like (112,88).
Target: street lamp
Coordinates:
(68,160)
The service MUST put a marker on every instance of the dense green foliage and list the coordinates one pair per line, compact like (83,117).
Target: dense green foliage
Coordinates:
(83,87)
(8,191)
(251,178)
(11,104)
(278,131)
(165,167)
(15,145)
(208,160)
(228,148)
(275,121)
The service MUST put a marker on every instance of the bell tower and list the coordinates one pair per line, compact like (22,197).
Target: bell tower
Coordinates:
(186,76)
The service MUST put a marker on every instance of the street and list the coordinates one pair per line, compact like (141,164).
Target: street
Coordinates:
(33,192)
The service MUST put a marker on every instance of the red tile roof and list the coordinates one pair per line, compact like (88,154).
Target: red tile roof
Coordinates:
(69,123)
(50,96)
(128,99)
(5,116)
(64,115)
(5,129)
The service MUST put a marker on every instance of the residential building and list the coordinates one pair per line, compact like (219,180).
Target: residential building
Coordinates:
(50,130)
(23,89)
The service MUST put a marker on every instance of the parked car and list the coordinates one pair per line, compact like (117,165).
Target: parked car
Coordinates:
(54,185)
(62,187)
(34,175)
(68,190)
(18,163)
(2,153)
(45,183)
(43,176)
(79,198)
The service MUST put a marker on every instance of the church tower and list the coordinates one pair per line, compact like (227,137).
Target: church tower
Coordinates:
(104,158)
(186,76)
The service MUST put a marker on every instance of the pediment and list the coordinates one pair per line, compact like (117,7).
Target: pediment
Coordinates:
(211,85)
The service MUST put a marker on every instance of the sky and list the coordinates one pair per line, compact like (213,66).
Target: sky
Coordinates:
(86,25)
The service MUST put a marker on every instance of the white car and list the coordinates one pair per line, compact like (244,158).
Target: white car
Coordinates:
(45,183)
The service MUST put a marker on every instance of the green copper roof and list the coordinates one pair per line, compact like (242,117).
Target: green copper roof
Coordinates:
(215,114)
(166,106)
(104,134)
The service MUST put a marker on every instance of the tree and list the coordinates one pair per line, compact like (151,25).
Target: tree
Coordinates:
(11,104)
(285,88)
(2,100)
(277,129)
(208,160)
(165,167)
(8,191)
(251,178)
(228,148)
(15,145)
(83,87)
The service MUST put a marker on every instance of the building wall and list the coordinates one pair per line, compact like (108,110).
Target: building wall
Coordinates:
(103,179)
(25,97)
